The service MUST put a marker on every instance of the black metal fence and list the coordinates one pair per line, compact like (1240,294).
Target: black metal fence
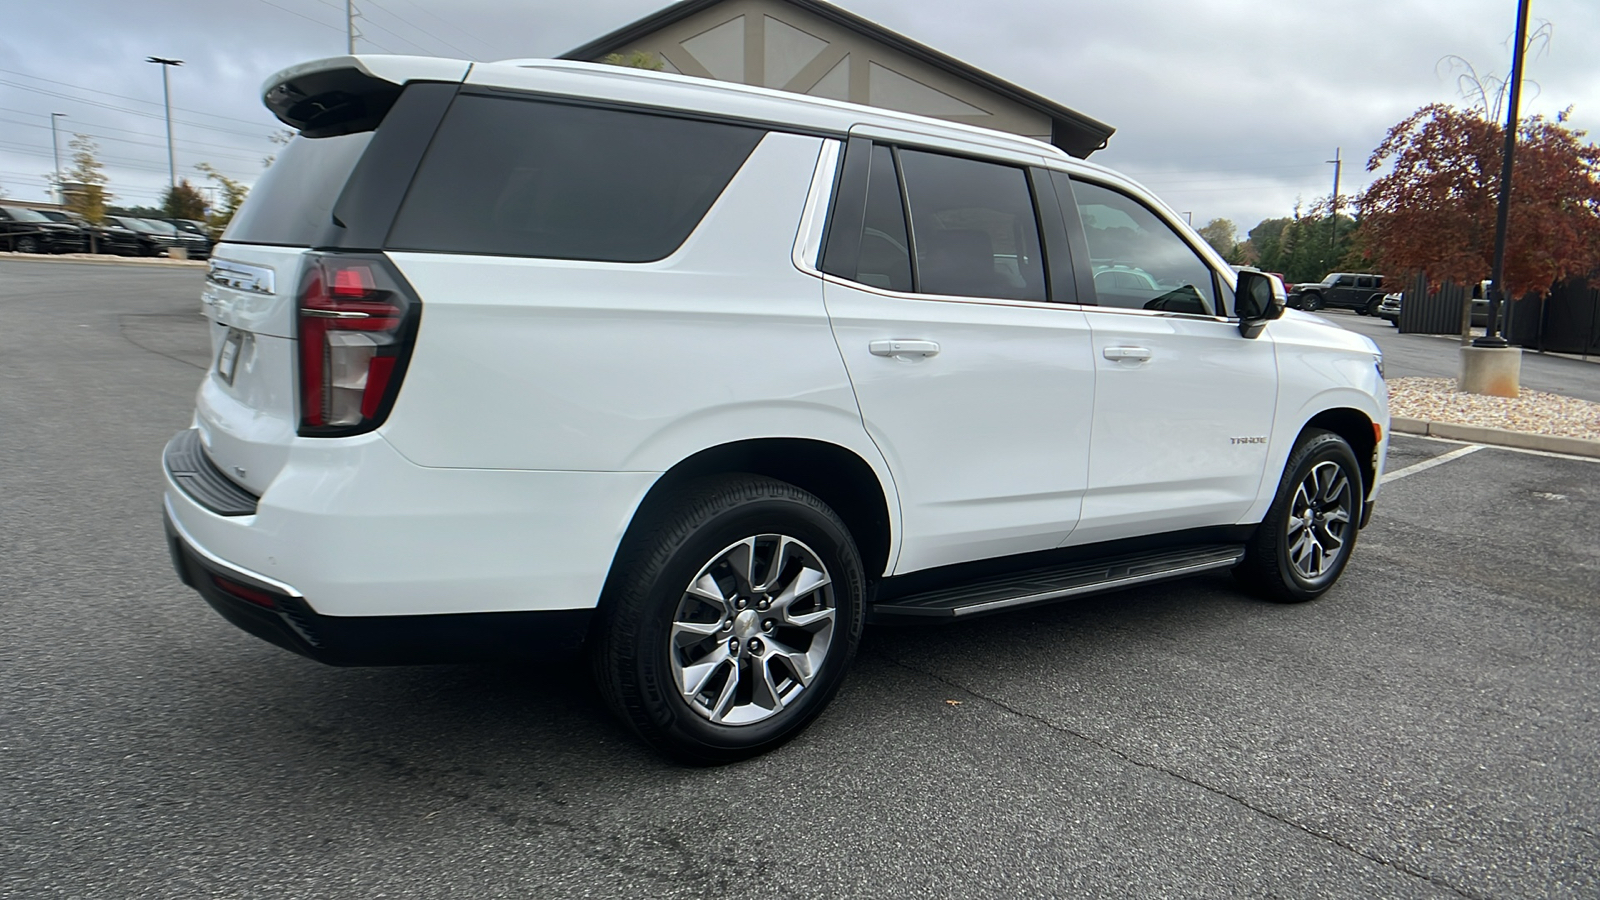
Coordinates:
(1431,312)
(1566,320)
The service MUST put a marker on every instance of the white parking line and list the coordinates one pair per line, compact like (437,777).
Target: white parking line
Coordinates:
(1428,464)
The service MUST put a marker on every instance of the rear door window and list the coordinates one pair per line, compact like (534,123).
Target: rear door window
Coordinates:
(973,227)
(521,177)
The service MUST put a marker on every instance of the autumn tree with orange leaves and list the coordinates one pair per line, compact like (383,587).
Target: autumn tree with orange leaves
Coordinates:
(1435,211)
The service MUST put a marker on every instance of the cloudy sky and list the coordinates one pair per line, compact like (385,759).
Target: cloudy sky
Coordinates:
(1224,107)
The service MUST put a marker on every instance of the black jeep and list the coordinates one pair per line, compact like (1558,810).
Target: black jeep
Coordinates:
(1340,290)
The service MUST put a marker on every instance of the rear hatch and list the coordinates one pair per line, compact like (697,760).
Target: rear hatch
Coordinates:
(332,190)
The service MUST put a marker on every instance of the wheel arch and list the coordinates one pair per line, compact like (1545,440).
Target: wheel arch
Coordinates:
(836,475)
(1356,427)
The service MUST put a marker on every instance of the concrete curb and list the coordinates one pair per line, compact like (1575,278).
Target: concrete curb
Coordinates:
(104,260)
(1496,437)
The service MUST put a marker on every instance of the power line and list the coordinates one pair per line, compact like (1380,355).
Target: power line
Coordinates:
(387,11)
(184,141)
(425,11)
(99,92)
(131,112)
(301,15)
(107,137)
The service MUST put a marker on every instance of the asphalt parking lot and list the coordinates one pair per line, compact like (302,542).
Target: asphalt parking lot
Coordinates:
(1429,729)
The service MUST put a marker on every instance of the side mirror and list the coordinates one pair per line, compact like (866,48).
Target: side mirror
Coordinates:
(1258,299)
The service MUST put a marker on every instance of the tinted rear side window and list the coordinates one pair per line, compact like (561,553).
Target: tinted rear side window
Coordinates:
(293,201)
(513,177)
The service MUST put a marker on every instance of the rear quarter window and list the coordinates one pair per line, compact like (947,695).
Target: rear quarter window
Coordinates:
(524,177)
(292,203)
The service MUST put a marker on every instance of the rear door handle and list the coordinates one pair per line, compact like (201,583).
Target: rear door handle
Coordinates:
(1137,354)
(904,349)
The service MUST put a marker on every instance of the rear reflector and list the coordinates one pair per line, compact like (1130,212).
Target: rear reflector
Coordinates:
(358,321)
(244,592)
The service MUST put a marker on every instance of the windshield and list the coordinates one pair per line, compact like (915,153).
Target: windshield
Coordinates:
(155,226)
(25,215)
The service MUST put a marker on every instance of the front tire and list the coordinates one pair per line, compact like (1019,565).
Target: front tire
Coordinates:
(730,619)
(27,244)
(1302,546)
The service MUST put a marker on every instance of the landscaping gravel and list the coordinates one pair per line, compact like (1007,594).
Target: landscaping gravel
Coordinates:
(1534,412)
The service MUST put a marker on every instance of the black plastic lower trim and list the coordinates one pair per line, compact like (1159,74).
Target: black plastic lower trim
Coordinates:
(292,624)
(197,476)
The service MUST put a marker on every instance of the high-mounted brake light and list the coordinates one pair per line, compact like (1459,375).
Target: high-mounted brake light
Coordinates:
(358,320)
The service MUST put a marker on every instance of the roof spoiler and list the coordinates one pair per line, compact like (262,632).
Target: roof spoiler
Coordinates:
(347,94)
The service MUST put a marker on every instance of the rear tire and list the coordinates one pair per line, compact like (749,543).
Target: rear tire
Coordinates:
(1372,306)
(27,244)
(730,619)
(1311,302)
(1302,546)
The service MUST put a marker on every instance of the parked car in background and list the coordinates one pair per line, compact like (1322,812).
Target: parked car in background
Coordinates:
(1340,290)
(106,237)
(152,241)
(195,228)
(28,231)
(1389,308)
(157,237)
(196,244)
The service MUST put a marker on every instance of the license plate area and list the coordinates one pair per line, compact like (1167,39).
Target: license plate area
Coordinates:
(228,356)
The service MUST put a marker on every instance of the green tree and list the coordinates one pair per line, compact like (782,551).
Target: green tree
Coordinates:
(1306,248)
(638,59)
(1223,236)
(1267,239)
(84,184)
(233,194)
(184,202)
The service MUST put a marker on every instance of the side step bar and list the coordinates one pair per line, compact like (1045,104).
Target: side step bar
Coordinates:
(1057,582)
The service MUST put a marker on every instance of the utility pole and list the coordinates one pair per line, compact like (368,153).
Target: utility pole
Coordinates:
(350,27)
(166,95)
(1338,164)
(1491,333)
(55,150)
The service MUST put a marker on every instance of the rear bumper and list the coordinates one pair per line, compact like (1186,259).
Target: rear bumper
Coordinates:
(275,613)
(359,531)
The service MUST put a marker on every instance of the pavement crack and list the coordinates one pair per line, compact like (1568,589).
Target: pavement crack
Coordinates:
(1154,767)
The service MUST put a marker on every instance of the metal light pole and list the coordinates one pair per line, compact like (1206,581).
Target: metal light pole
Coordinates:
(1491,332)
(1338,164)
(55,150)
(166,95)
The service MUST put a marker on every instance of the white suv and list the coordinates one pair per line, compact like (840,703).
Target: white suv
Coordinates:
(517,358)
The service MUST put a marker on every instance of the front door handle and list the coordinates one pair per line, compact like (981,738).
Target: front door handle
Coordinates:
(904,349)
(1137,354)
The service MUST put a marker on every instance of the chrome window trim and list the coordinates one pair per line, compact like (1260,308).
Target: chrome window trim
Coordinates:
(814,219)
(945,298)
(242,276)
(813,227)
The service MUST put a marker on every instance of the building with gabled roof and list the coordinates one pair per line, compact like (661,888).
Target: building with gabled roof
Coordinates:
(813,47)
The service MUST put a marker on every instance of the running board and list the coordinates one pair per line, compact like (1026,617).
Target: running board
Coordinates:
(1057,582)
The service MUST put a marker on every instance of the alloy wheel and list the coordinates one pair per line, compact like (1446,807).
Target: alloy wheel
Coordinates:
(752,629)
(1320,520)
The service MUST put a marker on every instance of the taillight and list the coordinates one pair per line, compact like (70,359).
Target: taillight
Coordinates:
(358,320)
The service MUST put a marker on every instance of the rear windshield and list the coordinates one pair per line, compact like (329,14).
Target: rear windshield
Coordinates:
(292,204)
(23,214)
(515,177)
